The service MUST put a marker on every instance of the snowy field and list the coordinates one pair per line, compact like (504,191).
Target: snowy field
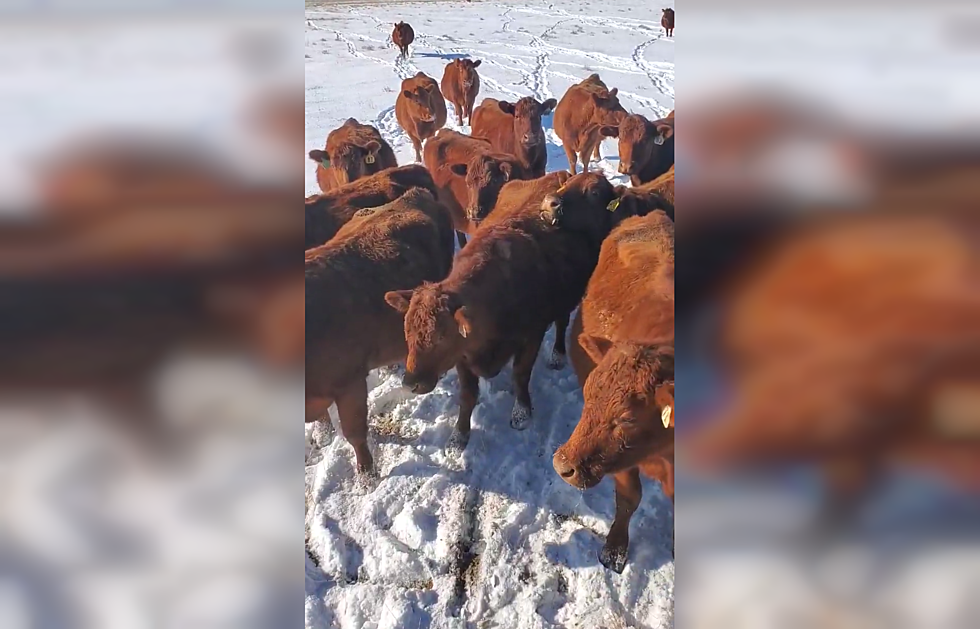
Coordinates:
(496,539)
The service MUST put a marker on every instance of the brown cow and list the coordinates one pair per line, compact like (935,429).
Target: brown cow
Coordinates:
(460,85)
(468,176)
(349,329)
(623,354)
(402,36)
(515,128)
(506,287)
(667,21)
(327,213)
(420,110)
(353,150)
(646,149)
(580,112)
(662,185)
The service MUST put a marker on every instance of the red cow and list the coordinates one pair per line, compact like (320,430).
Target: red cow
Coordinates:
(403,36)
(667,21)
(581,111)
(515,128)
(353,150)
(623,354)
(420,110)
(460,85)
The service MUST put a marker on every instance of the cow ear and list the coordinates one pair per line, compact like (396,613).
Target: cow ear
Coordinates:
(507,108)
(666,131)
(613,92)
(372,147)
(548,106)
(506,170)
(609,131)
(476,64)
(594,346)
(458,169)
(563,177)
(463,320)
(399,299)
(408,95)
(320,157)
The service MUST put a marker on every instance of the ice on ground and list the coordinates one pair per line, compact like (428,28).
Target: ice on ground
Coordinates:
(492,537)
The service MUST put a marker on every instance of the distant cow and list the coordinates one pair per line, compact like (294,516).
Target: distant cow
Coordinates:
(623,354)
(353,150)
(420,110)
(403,36)
(507,286)
(468,175)
(646,149)
(667,21)
(460,85)
(515,128)
(580,112)
(349,328)
(327,213)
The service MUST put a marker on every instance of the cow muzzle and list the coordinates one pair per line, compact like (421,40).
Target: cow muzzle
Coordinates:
(418,385)
(551,209)
(572,474)
(625,168)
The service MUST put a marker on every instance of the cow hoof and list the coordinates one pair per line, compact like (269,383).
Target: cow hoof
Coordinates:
(613,558)
(520,417)
(367,480)
(456,444)
(557,361)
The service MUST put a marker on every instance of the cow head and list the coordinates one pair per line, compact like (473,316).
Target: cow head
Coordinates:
(422,100)
(467,71)
(629,398)
(633,202)
(527,113)
(586,203)
(350,161)
(640,141)
(485,176)
(437,327)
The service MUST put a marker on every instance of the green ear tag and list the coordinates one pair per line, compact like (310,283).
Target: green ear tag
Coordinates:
(613,205)
(325,162)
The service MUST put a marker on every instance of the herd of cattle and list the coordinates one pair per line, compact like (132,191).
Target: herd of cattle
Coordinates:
(384,283)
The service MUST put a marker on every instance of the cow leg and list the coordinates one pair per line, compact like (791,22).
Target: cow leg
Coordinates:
(595,153)
(352,408)
(523,364)
(417,143)
(586,156)
(469,394)
(572,159)
(461,239)
(459,113)
(628,494)
(558,352)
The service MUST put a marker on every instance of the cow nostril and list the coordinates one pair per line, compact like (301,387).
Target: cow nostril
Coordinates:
(561,465)
(567,472)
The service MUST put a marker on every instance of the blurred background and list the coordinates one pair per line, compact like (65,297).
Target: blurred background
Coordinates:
(828,288)
(151,317)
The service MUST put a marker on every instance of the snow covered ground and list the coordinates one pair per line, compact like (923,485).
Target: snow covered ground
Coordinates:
(495,539)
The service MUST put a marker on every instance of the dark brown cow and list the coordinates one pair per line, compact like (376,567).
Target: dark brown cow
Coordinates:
(327,213)
(623,354)
(506,287)
(580,112)
(349,329)
(646,149)
(402,36)
(667,21)
(420,110)
(515,128)
(353,150)
(460,85)
(468,176)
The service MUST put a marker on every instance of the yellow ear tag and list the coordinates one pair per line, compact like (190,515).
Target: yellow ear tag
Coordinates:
(560,190)
(369,159)
(613,205)
(665,416)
